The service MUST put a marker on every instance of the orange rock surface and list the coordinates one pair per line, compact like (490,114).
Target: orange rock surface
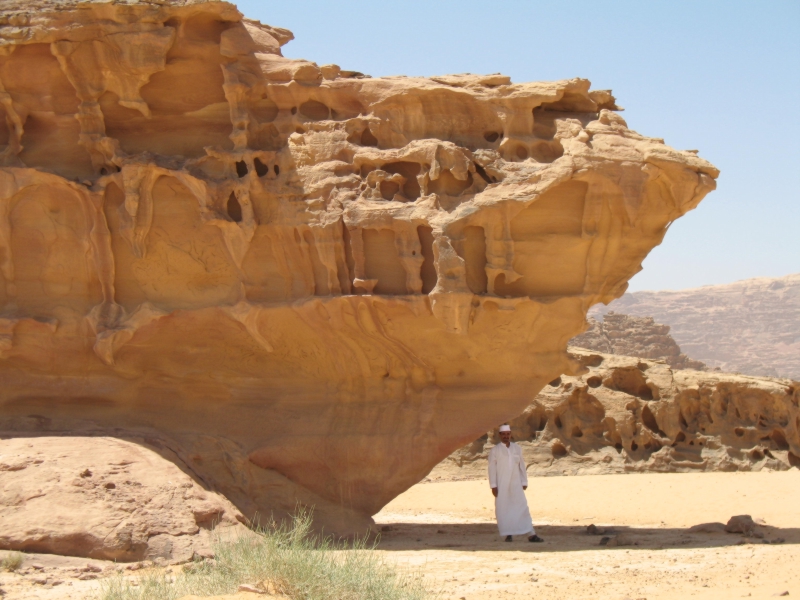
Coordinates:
(311,285)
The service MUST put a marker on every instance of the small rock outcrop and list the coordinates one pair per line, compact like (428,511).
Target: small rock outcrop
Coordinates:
(105,498)
(634,336)
(635,415)
(750,327)
(310,284)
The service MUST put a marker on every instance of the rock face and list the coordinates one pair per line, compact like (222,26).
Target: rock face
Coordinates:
(630,415)
(634,336)
(313,284)
(104,498)
(751,326)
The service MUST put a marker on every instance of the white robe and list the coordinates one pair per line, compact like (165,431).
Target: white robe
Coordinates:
(507,473)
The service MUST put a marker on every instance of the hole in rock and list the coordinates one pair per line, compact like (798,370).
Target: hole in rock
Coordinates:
(475,259)
(558,421)
(382,262)
(593,360)
(767,453)
(577,432)
(241,168)
(261,168)
(483,174)
(367,139)
(682,420)
(558,449)
(618,447)
(794,460)
(409,170)
(634,446)
(631,381)
(594,381)
(544,124)
(491,136)
(428,269)
(649,420)
(547,152)
(294,110)
(389,189)
(779,439)
(739,432)
(555,383)
(680,438)
(756,454)
(521,152)
(264,110)
(277,170)
(204,28)
(448,185)
(314,110)
(103,171)
(539,422)
(234,208)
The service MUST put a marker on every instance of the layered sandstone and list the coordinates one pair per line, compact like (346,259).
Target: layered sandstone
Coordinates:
(630,414)
(750,326)
(105,498)
(309,284)
(634,336)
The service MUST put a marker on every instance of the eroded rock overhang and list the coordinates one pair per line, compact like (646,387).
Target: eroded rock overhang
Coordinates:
(314,284)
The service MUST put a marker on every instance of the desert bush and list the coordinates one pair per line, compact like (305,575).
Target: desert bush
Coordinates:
(12,561)
(286,559)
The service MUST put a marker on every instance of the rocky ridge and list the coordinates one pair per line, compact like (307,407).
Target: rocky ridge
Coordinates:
(751,326)
(634,336)
(293,276)
(634,415)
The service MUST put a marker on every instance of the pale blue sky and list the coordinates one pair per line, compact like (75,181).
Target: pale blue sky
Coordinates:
(721,76)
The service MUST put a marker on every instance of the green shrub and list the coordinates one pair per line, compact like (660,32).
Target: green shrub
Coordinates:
(12,561)
(283,559)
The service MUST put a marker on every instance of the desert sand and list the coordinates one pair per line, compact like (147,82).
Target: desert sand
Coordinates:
(446,531)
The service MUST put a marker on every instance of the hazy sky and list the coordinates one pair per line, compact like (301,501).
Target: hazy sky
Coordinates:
(720,76)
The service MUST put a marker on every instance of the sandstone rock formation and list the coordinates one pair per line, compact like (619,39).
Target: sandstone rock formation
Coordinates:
(751,326)
(634,336)
(632,415)
(311,285)
(104,498)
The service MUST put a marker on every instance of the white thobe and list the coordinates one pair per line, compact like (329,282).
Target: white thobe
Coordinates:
(507,473)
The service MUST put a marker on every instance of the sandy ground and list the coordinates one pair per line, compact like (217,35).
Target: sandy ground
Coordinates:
(446,531)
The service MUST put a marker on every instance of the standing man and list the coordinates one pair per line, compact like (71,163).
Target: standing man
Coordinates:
(509,480)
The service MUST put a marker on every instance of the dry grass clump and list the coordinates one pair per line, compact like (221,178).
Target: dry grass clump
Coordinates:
(280,559)
(12,561)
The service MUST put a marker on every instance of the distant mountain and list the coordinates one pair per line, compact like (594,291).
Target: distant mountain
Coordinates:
(751,326)
(635,336)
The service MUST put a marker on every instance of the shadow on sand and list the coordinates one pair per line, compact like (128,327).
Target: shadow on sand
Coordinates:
(565,538)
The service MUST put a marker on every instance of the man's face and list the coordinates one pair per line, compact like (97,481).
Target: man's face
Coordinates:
(505,437)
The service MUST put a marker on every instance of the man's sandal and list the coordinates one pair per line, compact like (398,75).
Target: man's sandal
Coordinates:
(535,538)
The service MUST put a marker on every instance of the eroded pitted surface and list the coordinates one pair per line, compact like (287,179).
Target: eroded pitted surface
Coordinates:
(630,414)
(315,283)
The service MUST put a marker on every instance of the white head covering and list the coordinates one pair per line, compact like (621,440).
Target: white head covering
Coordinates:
(504,428)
